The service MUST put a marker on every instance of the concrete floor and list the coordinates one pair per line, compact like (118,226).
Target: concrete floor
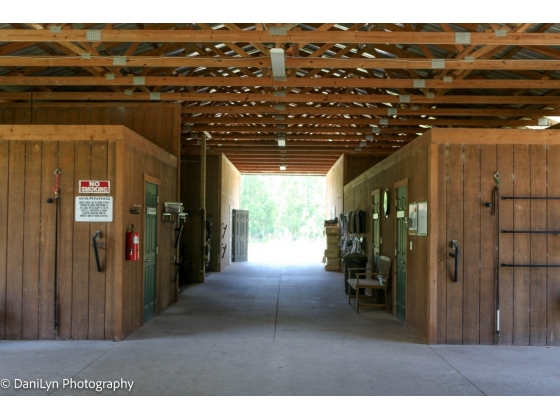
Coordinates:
(258,329)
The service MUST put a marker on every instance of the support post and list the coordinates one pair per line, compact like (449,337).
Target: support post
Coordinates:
(202,206)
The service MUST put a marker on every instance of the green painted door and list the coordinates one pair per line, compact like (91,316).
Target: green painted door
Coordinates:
(401,253)
(375,210)
(240,233)
(150,251)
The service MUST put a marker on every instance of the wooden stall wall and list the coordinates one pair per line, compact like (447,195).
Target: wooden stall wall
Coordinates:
(335,189)
(528,163)
(27,235)
(355,165)
(90,303)
(144,163)
(230,199)
(411,163)
(160,123)
(190,197)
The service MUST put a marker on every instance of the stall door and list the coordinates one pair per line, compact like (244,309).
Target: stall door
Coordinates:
(150,251)
(240,234)
(401,253)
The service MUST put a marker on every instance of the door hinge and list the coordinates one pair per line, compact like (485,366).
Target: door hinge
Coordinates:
(156,301)
(157,249)
(395,252)
(158,198)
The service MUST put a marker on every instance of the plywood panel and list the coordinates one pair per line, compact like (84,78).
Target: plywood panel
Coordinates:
(505,169)
(471,250)
(48,238)
(4,168)
(553,213)
(455,232)
(521,244)
(82,250)
(14,270)
(31,240)
(488,238)
(96,291)
(538,245)
(66,164)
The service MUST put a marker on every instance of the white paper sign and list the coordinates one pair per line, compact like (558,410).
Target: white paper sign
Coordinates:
(94,209)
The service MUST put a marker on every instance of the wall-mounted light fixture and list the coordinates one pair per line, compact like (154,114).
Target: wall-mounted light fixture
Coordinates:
(281,142)
(282,167)
(278,64)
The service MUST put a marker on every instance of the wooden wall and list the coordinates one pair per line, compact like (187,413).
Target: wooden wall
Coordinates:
(528,162)
(190,197)
(345,169)
(160,123)
(355,165)
(454,170)
(230,199)
(411,164)
(91,303)
(144,165)
(335,189)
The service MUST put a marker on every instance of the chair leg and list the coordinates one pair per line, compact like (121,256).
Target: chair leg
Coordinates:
(357,297)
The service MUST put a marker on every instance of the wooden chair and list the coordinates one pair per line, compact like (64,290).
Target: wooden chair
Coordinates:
(377,281)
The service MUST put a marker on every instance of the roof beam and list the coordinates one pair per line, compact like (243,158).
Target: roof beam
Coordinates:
(291,62)
(296,129)
(338,110)
(220,121)
(268,97)
(301,37)
(290,82)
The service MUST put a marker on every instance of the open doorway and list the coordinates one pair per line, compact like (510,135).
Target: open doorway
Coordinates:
(286,217)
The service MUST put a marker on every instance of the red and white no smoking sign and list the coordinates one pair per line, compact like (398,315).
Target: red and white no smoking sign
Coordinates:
(94,187)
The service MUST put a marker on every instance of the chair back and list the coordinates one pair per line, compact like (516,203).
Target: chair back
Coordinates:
(383,265)
(383,269)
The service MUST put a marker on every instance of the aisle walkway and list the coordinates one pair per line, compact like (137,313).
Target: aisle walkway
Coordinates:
(277,330)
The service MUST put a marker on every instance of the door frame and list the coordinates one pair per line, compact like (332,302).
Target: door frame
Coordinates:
(396,186)
(156,181)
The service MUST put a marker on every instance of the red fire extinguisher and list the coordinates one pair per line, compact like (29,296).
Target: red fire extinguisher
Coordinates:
(132,244)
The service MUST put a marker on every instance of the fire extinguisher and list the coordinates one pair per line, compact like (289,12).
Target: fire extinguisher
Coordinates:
(132,244)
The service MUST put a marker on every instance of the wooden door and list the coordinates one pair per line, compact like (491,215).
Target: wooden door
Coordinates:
(400,246)
(240,234)
(150,252)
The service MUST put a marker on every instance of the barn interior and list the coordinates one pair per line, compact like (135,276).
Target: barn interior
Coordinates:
(456,120)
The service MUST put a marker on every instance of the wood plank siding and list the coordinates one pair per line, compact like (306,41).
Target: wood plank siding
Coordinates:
(90,303)
(462,176)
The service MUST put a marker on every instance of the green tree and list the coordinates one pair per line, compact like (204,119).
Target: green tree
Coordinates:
(284,206)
